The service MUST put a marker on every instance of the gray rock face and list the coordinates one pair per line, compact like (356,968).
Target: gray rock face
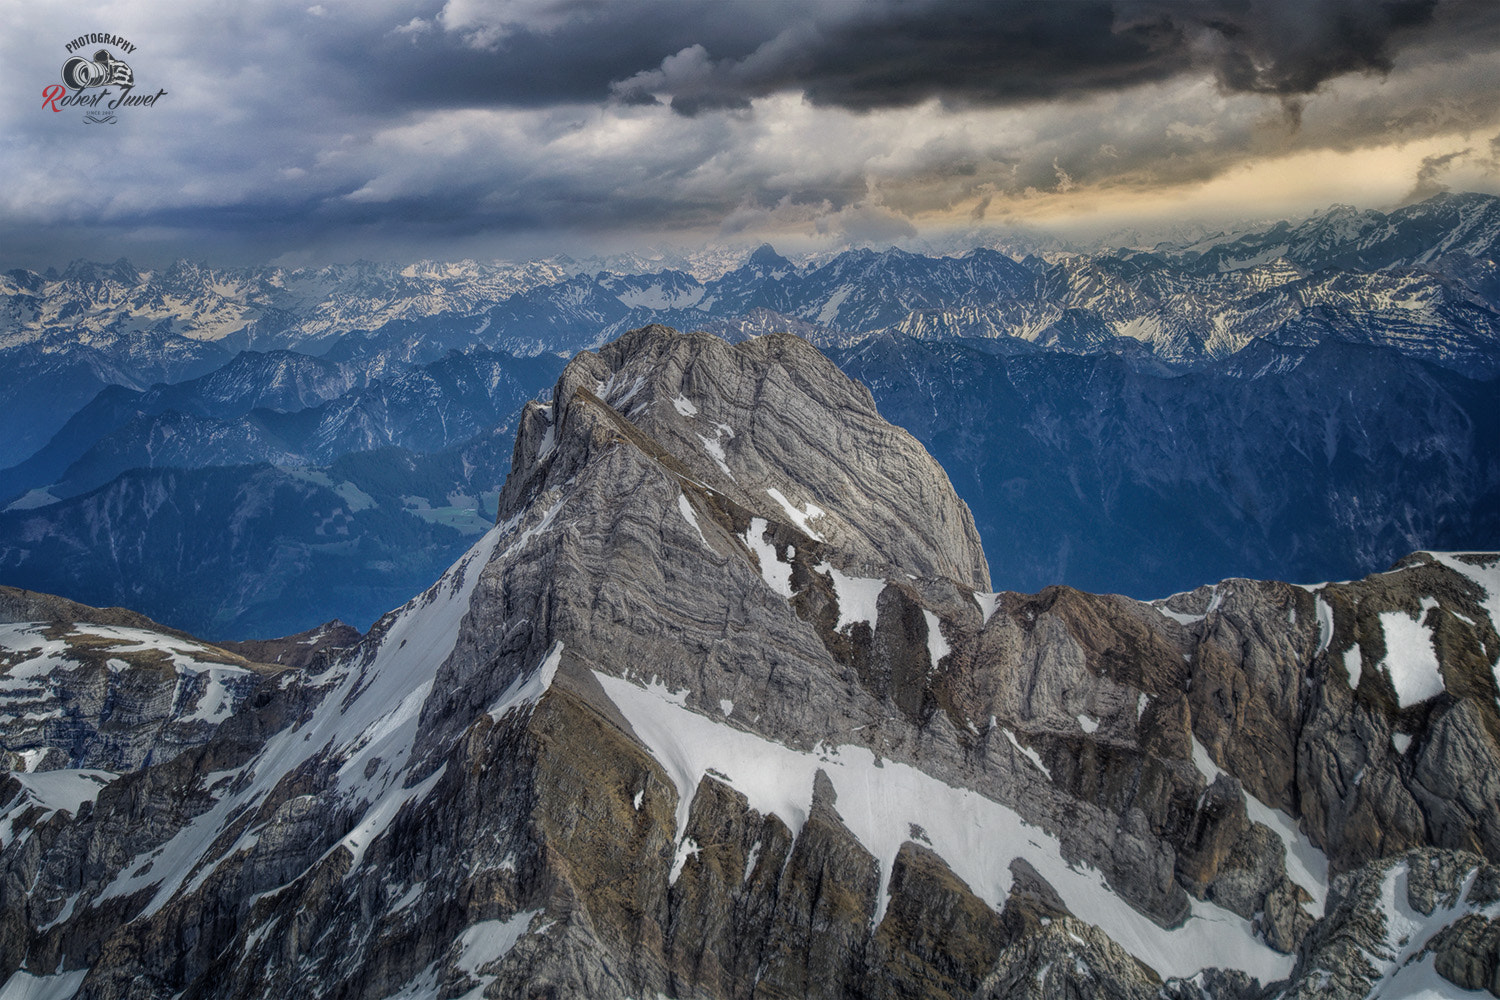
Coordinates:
(773,414)
(104,688)
(722,708)
(1416,920)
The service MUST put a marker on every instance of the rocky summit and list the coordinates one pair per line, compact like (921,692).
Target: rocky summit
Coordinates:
(723,707)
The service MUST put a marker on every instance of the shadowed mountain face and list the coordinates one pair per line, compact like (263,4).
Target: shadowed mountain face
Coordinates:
(723,707)
(1330,463)
(284,408)
(250,551)
(272,494)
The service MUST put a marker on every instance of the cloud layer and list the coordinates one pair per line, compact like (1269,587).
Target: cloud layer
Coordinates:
(393,128)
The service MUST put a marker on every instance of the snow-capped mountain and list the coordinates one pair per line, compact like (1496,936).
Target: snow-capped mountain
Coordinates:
(250,307)
(65,336)
(1422,278)
(1343,238)
(723,706)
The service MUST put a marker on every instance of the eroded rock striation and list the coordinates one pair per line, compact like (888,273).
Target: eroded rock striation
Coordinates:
(723,707)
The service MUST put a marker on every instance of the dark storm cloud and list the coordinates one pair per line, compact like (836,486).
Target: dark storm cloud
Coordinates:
(423,64)
(704,56)
(1291,49)
(1432,168)
(398,122)
(993,52)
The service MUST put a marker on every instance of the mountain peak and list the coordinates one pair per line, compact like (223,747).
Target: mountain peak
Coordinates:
(91,271)
(756,422)
(765,258)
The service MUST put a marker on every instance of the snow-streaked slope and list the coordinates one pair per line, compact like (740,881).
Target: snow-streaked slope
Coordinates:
(880,801)
(370,714)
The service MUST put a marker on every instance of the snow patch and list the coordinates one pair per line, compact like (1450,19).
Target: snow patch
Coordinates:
(683,406)
(378,818)
(750,861)
(372,707)
(1029,753)
(214,704)
(657,297)
(799,517)
(830,310)
(777,574)
(411,896)
(1486,576)
(1410,658)
(25,986)
(937,646)
(716,451)
(527,689)
(1325,625)
(636,386)
(1178,616)
(1088,724)
(691,517)
(688,848)
(1305,864)
(1407,931)
(878,801)
(1353,665)
(987,605)
(486,943)
(63,915)
(858,597)
(64,790)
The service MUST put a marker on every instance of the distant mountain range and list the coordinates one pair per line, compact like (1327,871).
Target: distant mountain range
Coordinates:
(1426,266)
(1310,400)
(256,550)
(283,408)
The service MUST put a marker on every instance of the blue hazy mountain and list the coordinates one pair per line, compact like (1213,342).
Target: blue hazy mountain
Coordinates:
(283,408)
(247,551)
(1106,475)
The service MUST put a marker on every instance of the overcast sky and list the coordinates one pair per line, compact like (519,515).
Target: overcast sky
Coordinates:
(389,129)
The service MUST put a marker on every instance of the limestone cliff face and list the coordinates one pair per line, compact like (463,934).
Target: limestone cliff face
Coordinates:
(722,707)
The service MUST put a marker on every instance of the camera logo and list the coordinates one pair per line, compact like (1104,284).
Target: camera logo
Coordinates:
(103,70)
(99,85)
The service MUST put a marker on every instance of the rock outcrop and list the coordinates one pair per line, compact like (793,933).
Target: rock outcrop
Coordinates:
(106,688)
